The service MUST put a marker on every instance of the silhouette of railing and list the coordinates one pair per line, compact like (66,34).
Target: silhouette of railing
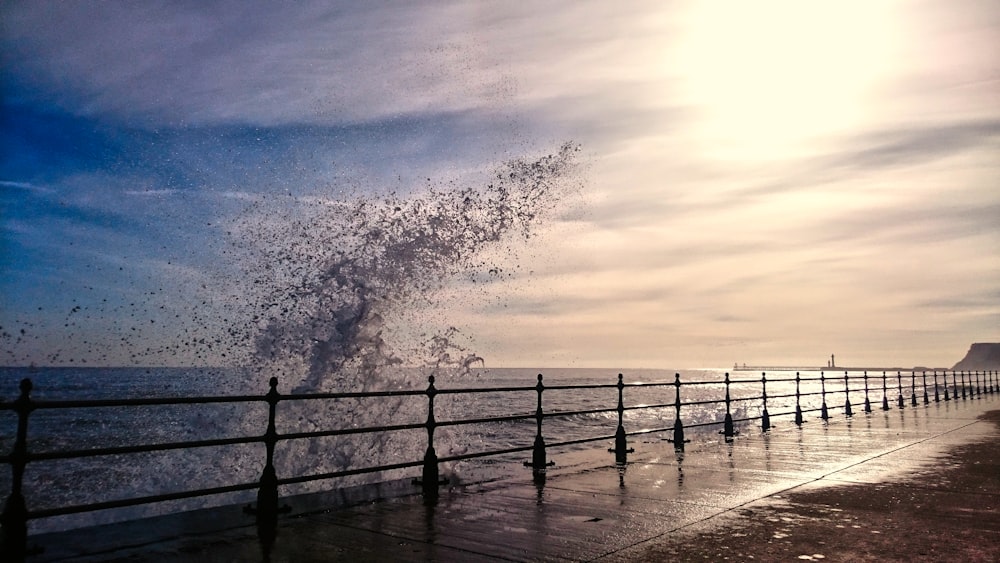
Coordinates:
(16,512)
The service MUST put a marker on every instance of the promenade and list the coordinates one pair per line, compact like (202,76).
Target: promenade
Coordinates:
(748,498)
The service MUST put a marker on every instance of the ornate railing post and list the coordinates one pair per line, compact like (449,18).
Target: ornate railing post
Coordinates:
(847,396)
(885,394)
(868,404)
(14,520)
(937,396)
(765,422)
(899,389)
(824,413)
(538,463)
(621,449)
(267,508)
(944,377)
(962,374)
(798,404)
(727,424)
(430,477)
(926,398)
(913,388)
(979,393)
(678,440)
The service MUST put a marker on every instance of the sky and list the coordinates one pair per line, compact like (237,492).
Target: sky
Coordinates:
(764,183)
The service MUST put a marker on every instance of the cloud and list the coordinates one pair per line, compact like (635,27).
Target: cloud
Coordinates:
(246,62)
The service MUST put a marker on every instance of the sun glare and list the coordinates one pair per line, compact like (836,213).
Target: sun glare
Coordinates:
(768,75)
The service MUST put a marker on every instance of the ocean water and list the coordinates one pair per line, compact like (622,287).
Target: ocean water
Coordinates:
(95,479)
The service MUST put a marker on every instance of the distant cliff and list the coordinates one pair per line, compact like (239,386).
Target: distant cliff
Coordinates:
(981,356)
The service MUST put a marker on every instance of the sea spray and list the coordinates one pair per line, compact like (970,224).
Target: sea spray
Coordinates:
(336,285)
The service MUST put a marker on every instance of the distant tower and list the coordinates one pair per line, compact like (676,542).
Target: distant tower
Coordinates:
(833,364)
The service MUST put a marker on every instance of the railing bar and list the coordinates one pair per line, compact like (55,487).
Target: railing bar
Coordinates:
(354,395)
(473,390)
(122,503)
(556,414)
(580,441)
(140,402)
(347,472)
(651,384)
(486,454)
(697,424)
(47,456)
(581,386)
(487,420)
(661,406)
(348,431)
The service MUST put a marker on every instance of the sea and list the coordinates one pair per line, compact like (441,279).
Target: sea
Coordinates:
(56,483)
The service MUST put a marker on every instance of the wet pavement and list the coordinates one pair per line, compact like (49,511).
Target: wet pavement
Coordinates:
(587,509)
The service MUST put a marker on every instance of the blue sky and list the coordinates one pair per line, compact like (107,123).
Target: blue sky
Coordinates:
(765,185)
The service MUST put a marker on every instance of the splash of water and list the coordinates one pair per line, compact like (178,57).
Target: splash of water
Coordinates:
(336,279)
(338,270)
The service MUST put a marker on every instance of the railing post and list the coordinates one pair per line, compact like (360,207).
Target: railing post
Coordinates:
(538,463)
(678,440)
(913,388)
(885,394)
(765,423)
(979,393)
(14,520)
(798,404)
(267,508)
(430,477)
(847,396)
(944,377)
(824,413)
(899,389)
(926,398)
(868,404)
(963,384)
(727,425)
(621,449)
(937,397)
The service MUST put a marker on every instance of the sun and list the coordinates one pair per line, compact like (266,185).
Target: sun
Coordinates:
(765,76)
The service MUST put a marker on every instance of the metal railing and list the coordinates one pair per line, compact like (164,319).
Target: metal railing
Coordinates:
(964,385)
